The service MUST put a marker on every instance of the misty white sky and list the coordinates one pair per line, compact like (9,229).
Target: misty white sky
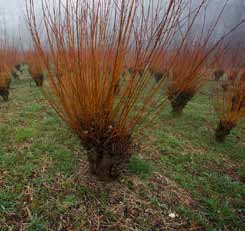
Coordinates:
(11,13)
(12,17)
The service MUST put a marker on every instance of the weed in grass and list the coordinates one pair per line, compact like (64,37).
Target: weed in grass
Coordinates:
(169,143)
(36,224)
(220,214)
(140,167)
(241,172)
(35,107)
(4,133)
(156,202)
(8,201)
(69,201)
(64,160)
(24,134)
(193,216)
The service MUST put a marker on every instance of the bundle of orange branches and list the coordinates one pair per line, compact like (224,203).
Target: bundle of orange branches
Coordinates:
(158,68)
(230,104)
(189,67)
(185,75)
(6,57)
(4,83)
(89,45)
(34,66)
(226,65)
(218,64)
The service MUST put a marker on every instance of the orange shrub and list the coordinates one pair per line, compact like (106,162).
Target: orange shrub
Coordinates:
(229,105)
(34,66)
(90,45)
(7,59)
(186,75)
(4,85)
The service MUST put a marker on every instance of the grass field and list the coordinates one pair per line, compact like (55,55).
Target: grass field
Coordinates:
(179,179)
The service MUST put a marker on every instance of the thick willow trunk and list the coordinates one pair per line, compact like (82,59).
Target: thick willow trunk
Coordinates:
(15,74)
(223,130)
(106,166)
(108,158)
(179,102)
(39,80)
(4,92)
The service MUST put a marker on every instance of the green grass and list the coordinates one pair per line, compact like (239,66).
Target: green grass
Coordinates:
(140,167)
(213,173)
(45,184)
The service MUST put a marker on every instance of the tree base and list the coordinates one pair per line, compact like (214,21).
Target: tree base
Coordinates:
(223,130)
(106,167)
(108,159)
(177,111)
(179,102)
(5,94)
(39,80)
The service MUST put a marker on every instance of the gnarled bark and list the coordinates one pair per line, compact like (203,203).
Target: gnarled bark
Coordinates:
(106,166)
(4,92)
(39,80)
(223,130)
(179,101)
(108,162)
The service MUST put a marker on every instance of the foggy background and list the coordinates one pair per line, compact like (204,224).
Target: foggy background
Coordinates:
(12,16)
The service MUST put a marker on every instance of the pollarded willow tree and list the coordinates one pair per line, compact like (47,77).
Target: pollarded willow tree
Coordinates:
(186,77)
(229,93)
(8,57)
(35,67)
(85,49)
(188,63)
(229,105)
